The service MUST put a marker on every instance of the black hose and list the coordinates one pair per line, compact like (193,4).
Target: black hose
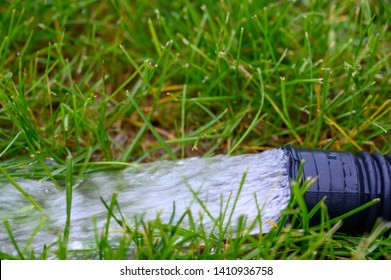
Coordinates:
(347,181)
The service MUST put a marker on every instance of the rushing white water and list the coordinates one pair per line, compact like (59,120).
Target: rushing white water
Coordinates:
(148,190)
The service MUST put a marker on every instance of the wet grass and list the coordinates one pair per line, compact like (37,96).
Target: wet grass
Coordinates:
(93,85)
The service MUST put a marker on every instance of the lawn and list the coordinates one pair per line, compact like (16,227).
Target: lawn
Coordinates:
(92,85)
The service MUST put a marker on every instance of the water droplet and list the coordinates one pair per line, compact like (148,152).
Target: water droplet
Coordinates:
(8,75)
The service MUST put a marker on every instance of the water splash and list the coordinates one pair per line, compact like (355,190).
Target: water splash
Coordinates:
(149,190)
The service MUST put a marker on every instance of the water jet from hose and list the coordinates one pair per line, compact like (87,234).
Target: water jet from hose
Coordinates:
(234,185)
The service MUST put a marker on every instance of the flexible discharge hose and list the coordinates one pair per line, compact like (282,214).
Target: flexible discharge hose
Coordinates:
(347,181)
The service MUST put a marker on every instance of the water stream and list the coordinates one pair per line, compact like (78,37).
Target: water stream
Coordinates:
(147,190)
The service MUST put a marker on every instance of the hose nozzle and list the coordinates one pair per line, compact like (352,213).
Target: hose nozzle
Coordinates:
(348,181)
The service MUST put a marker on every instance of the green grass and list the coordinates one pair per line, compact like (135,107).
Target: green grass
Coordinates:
(94,84)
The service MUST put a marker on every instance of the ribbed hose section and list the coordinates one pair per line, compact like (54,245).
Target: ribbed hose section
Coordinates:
(347,181)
